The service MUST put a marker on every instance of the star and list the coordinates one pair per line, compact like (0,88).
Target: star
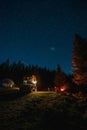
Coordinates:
(52,48)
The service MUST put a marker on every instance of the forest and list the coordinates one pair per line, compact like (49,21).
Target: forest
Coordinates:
(77,80)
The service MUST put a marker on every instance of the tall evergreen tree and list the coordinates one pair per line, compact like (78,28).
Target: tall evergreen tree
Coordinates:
(79,60)
(60,77)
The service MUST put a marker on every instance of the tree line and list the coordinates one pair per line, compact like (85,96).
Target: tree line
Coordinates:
(48,78)
(18,70)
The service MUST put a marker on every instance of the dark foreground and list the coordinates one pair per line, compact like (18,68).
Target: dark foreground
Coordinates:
(42,111)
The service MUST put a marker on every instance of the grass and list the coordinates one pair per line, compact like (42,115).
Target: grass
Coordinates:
(42,111)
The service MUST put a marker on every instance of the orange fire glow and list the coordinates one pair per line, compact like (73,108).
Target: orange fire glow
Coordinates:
(63,88)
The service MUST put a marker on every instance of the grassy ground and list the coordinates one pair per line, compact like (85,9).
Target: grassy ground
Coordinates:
(42,111)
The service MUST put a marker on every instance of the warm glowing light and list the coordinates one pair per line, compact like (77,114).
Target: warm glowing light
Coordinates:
(62,88)
(34,81)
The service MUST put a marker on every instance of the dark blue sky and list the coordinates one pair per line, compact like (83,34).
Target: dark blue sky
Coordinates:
(41,31)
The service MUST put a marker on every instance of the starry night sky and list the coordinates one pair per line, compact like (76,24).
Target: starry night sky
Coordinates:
(41,31)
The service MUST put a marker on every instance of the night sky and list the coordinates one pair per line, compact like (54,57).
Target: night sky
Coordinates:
(41,32)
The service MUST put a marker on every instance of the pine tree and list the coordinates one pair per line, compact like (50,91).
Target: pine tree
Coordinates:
(60,77)
(79,60)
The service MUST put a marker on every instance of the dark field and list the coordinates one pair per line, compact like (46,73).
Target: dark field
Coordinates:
(42,111)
